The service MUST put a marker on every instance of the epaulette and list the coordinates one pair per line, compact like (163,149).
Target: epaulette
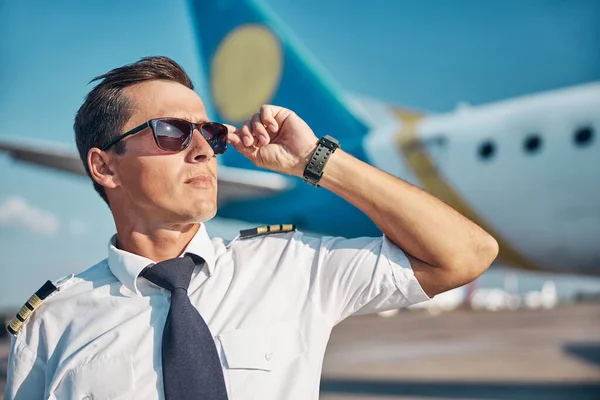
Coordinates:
(265,230)
(34,302)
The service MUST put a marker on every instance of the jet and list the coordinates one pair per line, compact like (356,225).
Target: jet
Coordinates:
(526,169)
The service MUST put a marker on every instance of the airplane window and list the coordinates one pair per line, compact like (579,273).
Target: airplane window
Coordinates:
(583,136)
(533,143)
(487,149)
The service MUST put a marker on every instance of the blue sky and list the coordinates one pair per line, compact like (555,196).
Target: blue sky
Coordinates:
(424,54)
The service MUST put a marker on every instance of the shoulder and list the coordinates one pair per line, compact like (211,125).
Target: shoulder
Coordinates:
(53,292)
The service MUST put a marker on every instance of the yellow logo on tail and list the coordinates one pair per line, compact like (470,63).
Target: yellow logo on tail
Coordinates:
(246,71)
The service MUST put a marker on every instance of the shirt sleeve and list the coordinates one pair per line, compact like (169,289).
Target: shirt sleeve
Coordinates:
(26,373)
(360,276)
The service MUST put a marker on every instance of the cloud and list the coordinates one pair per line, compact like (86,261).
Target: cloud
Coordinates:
(16,212)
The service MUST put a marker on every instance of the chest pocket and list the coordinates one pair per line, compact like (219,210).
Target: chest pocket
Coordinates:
(257,359)
(262,348)
(99,379)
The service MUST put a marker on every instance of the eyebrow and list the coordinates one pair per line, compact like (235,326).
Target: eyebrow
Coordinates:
(196,120)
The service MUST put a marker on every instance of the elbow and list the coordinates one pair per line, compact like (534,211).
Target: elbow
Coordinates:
(485,252)
(488,252)
(472,264)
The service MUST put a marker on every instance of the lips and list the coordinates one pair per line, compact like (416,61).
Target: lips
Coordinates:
(201,180)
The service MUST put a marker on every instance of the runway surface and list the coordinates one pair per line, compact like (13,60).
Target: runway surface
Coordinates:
(525,354)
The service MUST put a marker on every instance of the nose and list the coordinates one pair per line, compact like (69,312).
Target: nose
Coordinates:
(199,150)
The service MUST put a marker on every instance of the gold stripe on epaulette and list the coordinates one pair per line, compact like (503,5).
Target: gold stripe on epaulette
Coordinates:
(288,227)
(24,313)
(34,301)
(14,326)
(274,228)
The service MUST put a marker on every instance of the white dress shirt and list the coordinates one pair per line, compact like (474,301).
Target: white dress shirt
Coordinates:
(269,301)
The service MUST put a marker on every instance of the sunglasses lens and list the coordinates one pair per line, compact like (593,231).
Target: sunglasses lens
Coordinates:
(172,135)
(216,135)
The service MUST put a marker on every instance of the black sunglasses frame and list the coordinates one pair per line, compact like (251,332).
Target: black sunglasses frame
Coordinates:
(152,124)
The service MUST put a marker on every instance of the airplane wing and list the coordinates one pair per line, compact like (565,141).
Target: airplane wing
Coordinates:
(51,157)
(234,183)
(244,184)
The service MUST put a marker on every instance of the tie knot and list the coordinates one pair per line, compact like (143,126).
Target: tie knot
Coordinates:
(172,274)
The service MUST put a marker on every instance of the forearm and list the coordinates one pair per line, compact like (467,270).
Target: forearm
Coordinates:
(415,221)
(445,249)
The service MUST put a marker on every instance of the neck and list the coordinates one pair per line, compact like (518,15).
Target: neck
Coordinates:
(156,244)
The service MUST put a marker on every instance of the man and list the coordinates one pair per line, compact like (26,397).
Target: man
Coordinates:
(172,313)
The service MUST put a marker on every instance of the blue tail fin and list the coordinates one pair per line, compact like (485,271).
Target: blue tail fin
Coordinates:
(250,60)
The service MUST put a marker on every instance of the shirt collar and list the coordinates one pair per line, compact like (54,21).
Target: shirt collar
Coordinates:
(127,266)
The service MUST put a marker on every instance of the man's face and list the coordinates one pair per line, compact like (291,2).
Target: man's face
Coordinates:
(171,187)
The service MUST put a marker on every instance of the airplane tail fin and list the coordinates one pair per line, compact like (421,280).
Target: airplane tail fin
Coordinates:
(250,60)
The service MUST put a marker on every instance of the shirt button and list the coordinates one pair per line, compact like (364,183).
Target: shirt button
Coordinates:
(268,356)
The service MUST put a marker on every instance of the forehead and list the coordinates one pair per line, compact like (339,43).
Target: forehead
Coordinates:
(155,99)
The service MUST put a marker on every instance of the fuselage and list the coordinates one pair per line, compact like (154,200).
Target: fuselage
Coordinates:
(527,170)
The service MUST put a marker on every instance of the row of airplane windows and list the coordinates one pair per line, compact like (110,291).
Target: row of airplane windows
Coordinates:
(582,137)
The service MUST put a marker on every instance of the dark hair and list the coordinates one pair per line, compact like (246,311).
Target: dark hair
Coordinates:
(106,109)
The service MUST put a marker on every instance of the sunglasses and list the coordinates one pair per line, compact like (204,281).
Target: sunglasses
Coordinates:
(173,134)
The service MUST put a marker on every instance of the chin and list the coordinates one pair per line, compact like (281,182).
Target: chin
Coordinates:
(204,212)
(193,209)
(205,216)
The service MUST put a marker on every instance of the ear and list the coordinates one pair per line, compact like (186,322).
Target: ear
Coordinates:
(100,165)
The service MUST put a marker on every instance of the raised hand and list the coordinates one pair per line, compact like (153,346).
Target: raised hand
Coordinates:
(275,138)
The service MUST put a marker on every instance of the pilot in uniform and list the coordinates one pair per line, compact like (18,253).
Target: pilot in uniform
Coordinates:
(270,301)
(248,318)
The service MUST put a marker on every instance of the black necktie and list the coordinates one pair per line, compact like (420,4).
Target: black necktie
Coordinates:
(191,366)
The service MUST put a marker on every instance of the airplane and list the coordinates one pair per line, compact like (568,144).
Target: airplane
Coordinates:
(525,169)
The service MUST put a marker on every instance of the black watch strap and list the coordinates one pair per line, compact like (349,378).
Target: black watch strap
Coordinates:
(314,169)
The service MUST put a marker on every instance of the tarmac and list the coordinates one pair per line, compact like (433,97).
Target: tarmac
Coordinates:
(460,355)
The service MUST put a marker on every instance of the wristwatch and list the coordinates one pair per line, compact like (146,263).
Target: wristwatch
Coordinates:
(314,169)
